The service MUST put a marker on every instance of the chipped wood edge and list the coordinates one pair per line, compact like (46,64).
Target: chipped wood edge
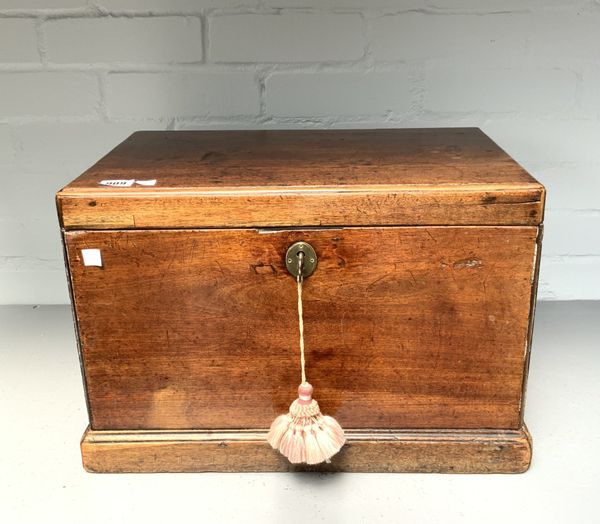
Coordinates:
(410,451)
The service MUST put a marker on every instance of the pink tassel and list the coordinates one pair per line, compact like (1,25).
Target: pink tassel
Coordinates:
(304,435)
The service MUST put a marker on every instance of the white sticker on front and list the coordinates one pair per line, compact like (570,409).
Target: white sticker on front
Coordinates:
(91,257)
(117,183)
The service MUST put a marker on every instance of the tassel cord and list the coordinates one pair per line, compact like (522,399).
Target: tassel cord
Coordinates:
(304,435)
(300,279)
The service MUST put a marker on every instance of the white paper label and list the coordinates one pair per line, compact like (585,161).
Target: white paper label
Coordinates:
(91,257)
(117,183)
(127,183)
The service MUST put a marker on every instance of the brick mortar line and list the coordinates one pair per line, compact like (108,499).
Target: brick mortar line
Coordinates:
(204,38)
(40,41)
(96,10)
(478,118)
(329,66)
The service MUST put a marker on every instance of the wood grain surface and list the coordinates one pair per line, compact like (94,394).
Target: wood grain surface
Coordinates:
(406,327)
(304,178)
(437,451)
(315,158)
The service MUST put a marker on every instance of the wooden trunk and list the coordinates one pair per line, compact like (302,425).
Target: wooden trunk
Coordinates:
(418,317)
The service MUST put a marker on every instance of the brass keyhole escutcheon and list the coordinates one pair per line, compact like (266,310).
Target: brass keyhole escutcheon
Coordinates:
(308,261)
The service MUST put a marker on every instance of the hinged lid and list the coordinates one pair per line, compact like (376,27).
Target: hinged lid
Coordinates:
(303,178)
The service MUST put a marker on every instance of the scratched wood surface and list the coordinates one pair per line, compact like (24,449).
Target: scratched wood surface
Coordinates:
(406,327)
(437,451)
(304,178)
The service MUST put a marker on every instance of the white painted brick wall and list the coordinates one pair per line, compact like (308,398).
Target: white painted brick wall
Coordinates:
(18,5)
(89,139)
(146,40)
(337,94)
(565,36)
(78,76)
(590,92)
(458,38)
(286,38)
(182,94)
(18,41)
(499,90)
(7,146)
(172,6)
(48,94)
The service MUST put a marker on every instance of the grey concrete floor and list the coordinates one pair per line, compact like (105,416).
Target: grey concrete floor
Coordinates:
(42,416)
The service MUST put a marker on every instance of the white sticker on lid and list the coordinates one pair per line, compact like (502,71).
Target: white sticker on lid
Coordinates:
(127,183)
(91,257)
(117,183)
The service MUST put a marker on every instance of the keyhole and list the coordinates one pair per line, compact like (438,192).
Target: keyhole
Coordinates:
(301,258)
